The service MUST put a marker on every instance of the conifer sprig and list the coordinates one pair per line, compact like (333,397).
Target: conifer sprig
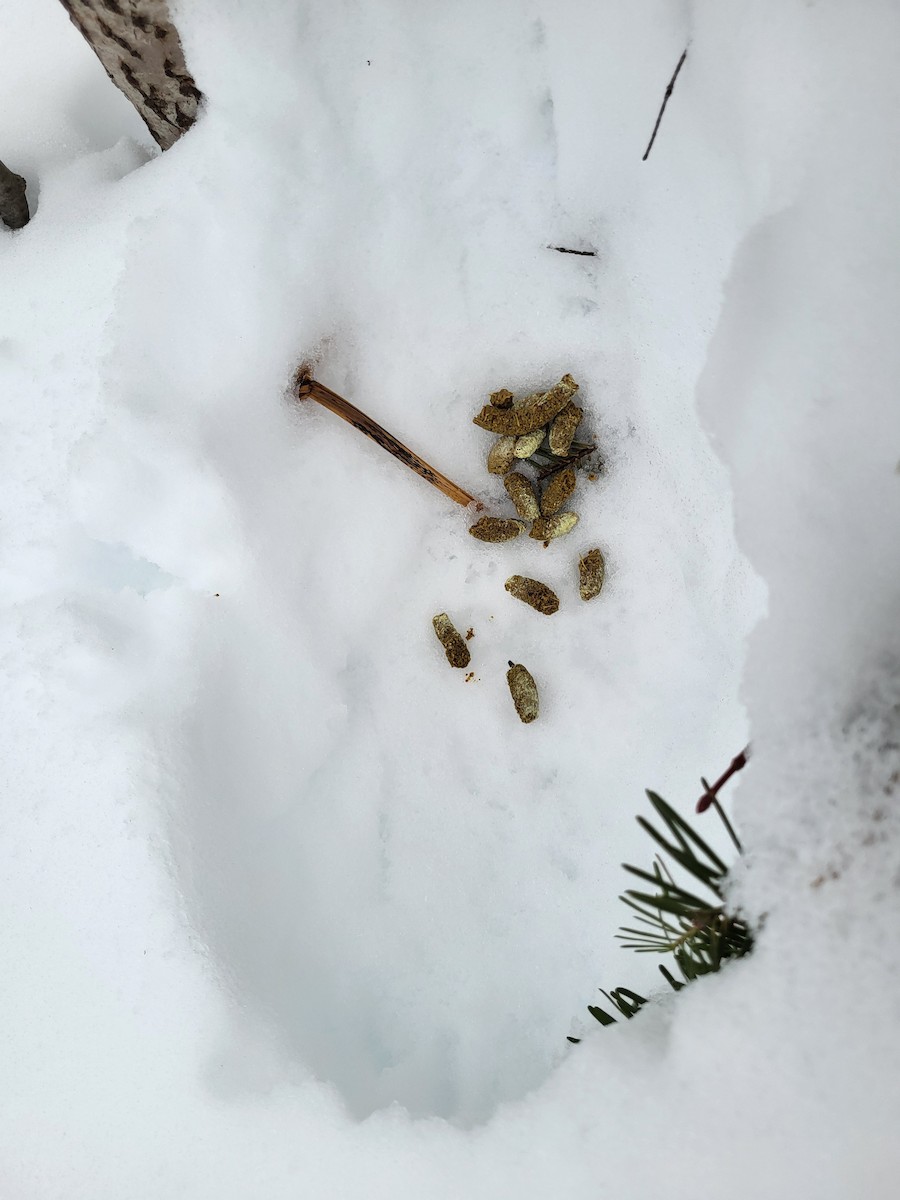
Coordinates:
(672,918)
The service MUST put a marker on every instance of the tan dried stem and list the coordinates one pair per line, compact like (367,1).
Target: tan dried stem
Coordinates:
(307,388)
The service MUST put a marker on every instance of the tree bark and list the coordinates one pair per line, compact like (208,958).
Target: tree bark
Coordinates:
(13,205)
(140,49)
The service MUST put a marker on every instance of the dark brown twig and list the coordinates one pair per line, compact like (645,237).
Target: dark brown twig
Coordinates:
(308,388)
(566,250)
(662,109)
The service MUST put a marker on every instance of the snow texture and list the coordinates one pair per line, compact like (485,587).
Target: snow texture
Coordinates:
(290,907)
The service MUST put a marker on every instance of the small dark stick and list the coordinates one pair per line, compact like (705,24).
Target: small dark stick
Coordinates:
(568,461)
(308,388)
(566,250)
(662,109)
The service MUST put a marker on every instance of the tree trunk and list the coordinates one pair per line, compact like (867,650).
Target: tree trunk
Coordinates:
(13,205)
(139,46)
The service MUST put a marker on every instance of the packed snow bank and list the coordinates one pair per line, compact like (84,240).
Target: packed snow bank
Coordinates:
(273,866)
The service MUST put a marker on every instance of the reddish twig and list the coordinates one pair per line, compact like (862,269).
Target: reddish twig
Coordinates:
(711,792)
(710,795)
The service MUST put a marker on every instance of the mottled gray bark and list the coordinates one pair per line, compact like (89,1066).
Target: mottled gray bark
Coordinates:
(139,46)
(13,205)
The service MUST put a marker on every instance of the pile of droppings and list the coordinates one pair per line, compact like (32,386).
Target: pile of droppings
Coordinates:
(538,430)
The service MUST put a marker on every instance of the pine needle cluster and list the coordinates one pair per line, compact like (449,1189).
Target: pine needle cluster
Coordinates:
(697,930)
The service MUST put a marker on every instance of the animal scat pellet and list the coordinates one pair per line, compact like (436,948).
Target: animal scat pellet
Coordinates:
(524,692)
(562,431)
(501,455)
(558,490)
(547,528)
(496,529)
(522,495)
(527,418)
(502,399)
(533,592)
(454,647)
(529,442)
(591,573)
(529,400)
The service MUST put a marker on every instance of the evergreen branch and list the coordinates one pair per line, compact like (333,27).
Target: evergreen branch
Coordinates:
(669,889)
(682,830)
(670,979)
(666,903)
(701,936)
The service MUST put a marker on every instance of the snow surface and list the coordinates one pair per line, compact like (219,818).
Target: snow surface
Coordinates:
(289,907)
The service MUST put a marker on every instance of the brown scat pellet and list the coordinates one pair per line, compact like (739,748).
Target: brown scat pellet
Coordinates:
(522,495)
(547,528)
(501,455)
(562,431)
(502,399)
(527,418)
(529,442)
(496,529)
(562,391)
(524,692)
(529,400)
(533,592)
(558,490)
(591,573)
(454,647)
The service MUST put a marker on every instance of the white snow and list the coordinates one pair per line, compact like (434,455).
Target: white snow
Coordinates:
(289,907)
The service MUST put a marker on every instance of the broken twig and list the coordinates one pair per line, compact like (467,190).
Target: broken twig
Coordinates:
(309,388)
(662,108)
